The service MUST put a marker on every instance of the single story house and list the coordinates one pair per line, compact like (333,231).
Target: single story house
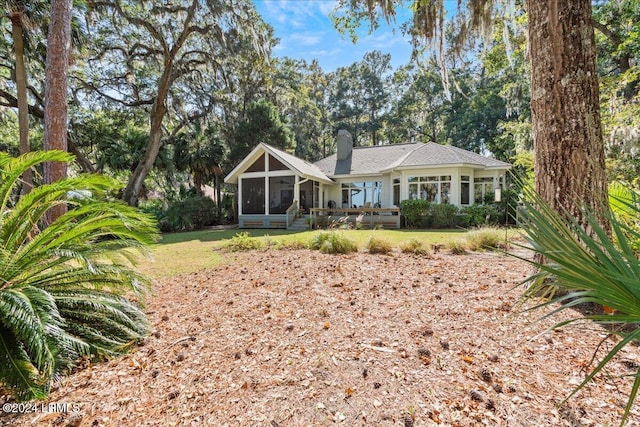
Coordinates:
(275,186)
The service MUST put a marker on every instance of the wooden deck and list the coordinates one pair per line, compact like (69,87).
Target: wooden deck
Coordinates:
(366,217)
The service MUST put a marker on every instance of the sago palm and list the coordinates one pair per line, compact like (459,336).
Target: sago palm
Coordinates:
(67,289)
(589,265)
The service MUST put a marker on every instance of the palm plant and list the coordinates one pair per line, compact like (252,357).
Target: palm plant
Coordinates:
(64,286)
(592,265)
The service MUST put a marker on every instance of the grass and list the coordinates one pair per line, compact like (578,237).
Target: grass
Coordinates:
(188,252)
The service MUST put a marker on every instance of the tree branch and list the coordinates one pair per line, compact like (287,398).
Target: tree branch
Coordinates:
(12,101)
(103,94)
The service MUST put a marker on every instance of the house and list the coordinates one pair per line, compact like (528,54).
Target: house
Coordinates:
(274,186)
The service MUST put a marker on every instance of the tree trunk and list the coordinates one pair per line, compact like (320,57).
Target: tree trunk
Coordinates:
(134,186)
(565,107)
(55,97)
(21,88)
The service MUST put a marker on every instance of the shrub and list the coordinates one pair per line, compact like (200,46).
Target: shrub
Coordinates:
(242,242)
(62,285)
(414,246)
(477,215)
(457,247)
(422,214)
(415,212)
(331,242)
(487,238)
(375,245)
(443,216)
(193,213)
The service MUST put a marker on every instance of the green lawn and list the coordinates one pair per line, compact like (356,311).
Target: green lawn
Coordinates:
(180,253)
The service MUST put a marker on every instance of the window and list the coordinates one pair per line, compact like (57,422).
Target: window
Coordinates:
(362,194)
(281,189)
(483,190)
(316,194)
(464,189)
(436,189)
(396,192)
(253,196)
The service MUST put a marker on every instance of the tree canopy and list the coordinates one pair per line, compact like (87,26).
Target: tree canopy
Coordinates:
(153,85)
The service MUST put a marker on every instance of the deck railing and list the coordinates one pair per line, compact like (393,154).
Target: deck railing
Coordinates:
(292,212)
(371,217)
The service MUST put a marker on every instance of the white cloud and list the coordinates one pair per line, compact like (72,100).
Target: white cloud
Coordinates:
(296,13)
(384,40)
(326,52)
(307,39)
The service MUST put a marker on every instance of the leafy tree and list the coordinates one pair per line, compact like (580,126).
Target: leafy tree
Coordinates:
(201,152)
(419,106)
(375,71)
(178,55)
(359,96)
(297,91)
(62,283)
(347,102)
(20,14)
(23,59)
(261,124)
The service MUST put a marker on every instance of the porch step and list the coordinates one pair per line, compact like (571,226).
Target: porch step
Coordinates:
(300,224)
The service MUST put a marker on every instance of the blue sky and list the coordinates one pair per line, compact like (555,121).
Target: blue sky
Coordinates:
(306,32)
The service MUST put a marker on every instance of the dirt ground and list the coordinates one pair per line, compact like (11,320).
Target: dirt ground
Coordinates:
(299,338)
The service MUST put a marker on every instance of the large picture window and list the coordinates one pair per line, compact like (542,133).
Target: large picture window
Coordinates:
(435,189)
(253,196)
(483,190)
(362,194)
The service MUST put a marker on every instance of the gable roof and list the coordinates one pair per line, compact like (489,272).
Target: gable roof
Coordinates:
(384,158)
(295,164)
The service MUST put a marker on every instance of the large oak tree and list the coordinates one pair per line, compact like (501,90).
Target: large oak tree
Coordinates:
(156,55)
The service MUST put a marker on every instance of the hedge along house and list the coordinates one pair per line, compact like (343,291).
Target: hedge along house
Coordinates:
(273,186)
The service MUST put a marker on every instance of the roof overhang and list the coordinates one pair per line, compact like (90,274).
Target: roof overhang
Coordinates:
(232,177)
(476,166)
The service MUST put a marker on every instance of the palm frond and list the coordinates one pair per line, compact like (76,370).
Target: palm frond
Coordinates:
(17,371)
(591,265)
(64,286)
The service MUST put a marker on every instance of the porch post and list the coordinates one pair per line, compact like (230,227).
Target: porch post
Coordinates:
(239,201)
(267,195)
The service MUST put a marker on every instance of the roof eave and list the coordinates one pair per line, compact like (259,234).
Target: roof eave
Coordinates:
(355,175)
